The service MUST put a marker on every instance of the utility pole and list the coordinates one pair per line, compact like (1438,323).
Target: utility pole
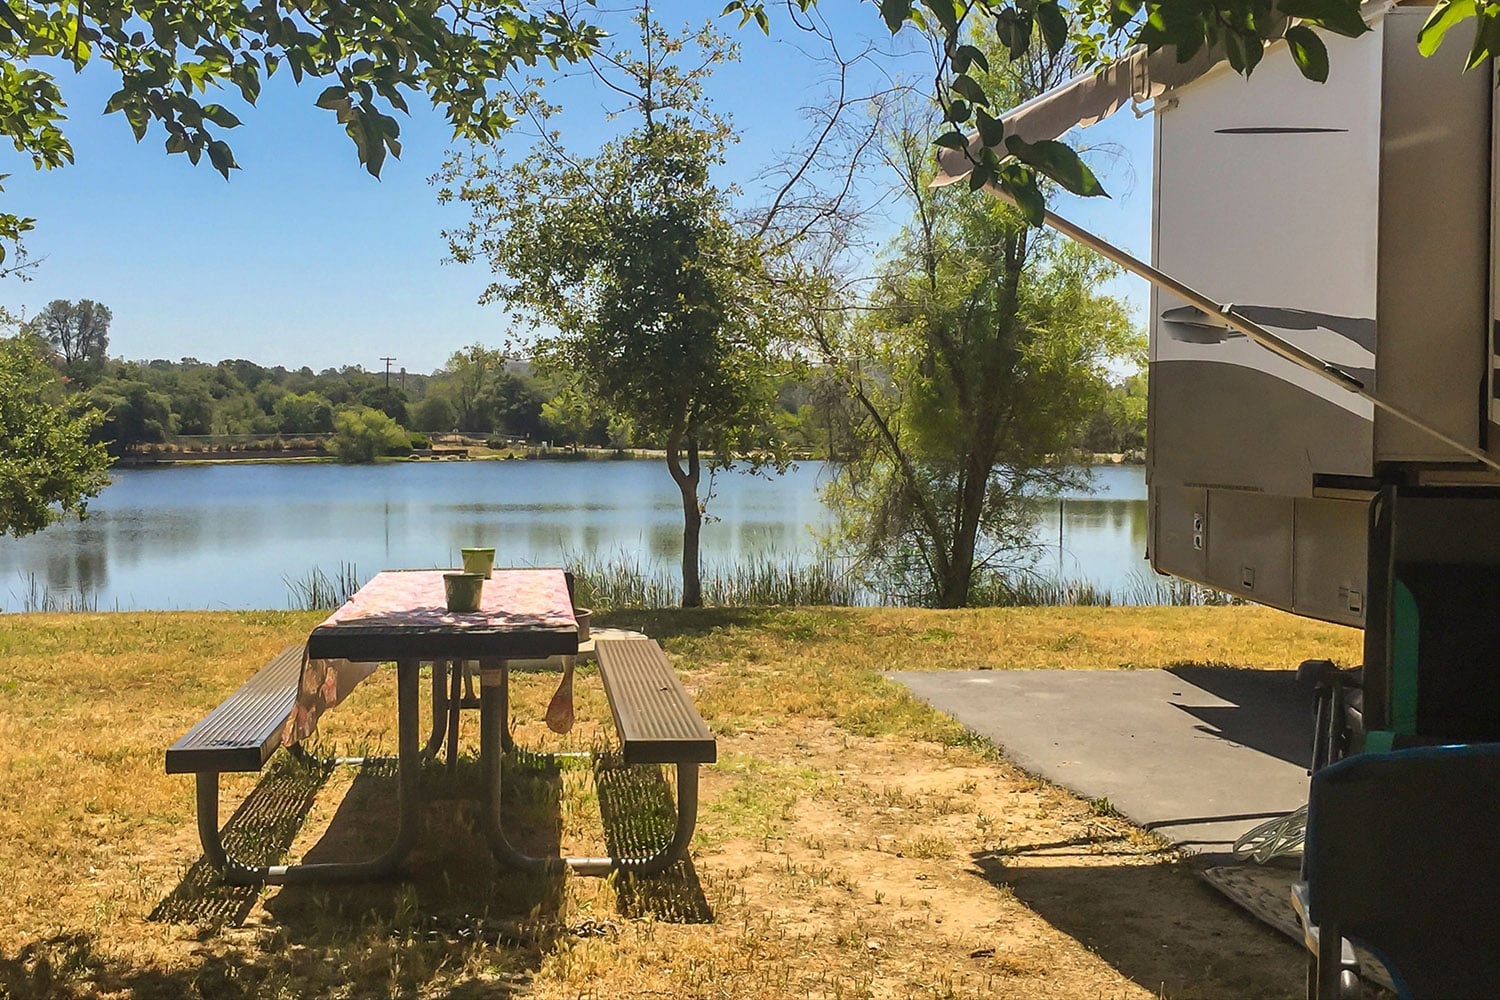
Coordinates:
(387,371)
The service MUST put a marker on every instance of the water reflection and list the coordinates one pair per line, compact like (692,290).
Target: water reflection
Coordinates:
(229,536)
(1101,540)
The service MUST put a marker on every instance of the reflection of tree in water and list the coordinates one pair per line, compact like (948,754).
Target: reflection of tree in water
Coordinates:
(665,541)
(83,569)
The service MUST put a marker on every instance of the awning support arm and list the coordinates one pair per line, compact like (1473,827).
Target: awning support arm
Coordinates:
(1265,338)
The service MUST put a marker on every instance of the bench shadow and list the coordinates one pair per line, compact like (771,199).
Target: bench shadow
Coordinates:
(449,884)
(1131,916)
(259,832)
(639,814)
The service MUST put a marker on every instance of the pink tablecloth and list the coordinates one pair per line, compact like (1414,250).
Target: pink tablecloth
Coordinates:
(412,601)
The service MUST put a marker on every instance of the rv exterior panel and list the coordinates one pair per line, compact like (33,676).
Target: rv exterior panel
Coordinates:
(1351,218)
(1433,295)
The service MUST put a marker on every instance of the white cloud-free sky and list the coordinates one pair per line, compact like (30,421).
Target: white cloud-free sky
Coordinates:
(304,259)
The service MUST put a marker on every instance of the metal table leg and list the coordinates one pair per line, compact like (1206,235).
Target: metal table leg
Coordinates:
(455,703)
(441,708)
(409,764)
(494,712)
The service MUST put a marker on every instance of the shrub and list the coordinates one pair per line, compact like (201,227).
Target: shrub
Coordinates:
(362,434)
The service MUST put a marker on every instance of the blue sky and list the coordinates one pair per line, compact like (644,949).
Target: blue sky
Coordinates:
(304,259)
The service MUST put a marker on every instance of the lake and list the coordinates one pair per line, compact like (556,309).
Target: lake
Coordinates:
(231,536)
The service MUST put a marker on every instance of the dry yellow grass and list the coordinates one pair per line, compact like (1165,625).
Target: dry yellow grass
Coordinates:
(852,842)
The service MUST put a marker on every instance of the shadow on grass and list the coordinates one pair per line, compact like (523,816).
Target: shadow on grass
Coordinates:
(639,817)
(260,832)
(67,967)
(1156,924)
(450,887)
(454,909)
(70,967)
(671,623)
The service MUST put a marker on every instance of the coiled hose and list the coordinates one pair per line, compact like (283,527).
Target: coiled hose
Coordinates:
(1274,838)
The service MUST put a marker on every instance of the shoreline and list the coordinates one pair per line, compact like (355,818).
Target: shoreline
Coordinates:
(583,455)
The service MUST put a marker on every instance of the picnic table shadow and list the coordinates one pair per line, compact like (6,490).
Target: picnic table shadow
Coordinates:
(450,886)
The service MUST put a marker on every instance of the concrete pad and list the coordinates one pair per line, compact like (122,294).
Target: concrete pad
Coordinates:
(1197,754)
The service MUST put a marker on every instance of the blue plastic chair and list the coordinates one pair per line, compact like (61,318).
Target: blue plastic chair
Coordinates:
(1402,857)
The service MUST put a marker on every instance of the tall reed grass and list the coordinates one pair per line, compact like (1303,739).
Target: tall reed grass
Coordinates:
(34,595)
(606,583)
(317,591)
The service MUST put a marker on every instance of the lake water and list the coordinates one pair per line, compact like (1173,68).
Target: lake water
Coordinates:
(231,536)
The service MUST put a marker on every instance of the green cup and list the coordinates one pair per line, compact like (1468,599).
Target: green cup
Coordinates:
(463,590)
(480,561)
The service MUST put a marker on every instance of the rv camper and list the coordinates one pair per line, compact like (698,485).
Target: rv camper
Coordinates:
(1348,221)
(1324,438)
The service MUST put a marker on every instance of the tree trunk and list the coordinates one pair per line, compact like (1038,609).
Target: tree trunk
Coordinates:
(692,516)
(958,578)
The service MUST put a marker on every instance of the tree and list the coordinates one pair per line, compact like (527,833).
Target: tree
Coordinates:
(983,353)
(304,413)
(635,257)
(134,413)
(388,399)
(470,376)
(78,331)
(167,55)
(433,414)
(48,467)
(362,434)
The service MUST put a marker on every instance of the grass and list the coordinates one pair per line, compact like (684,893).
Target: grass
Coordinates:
(852,842)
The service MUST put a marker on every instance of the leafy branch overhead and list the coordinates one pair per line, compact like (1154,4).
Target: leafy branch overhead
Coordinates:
(1097,30)
(168,55)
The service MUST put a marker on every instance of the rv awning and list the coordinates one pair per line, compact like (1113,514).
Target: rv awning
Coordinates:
(1136,76)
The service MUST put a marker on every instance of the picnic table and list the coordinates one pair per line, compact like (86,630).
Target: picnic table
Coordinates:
(401,616)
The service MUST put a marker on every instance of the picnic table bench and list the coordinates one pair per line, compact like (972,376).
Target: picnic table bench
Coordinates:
(654,716)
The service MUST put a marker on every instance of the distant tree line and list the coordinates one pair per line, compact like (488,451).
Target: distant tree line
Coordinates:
(480,392)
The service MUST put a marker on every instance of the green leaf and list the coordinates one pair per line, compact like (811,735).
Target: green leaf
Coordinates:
(968,55)
(991,130)
(980,176)
(1341,17)
(1059,162)
(1019,181)
(895,13)
(1486,36)
(946,12)
(1054,26)
(952,140)
(333,98)
(968,87)
(1309,52)
(220,116)
(1244,50)
(958,111)
(1445,15)
(222,159)
(1013,28)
